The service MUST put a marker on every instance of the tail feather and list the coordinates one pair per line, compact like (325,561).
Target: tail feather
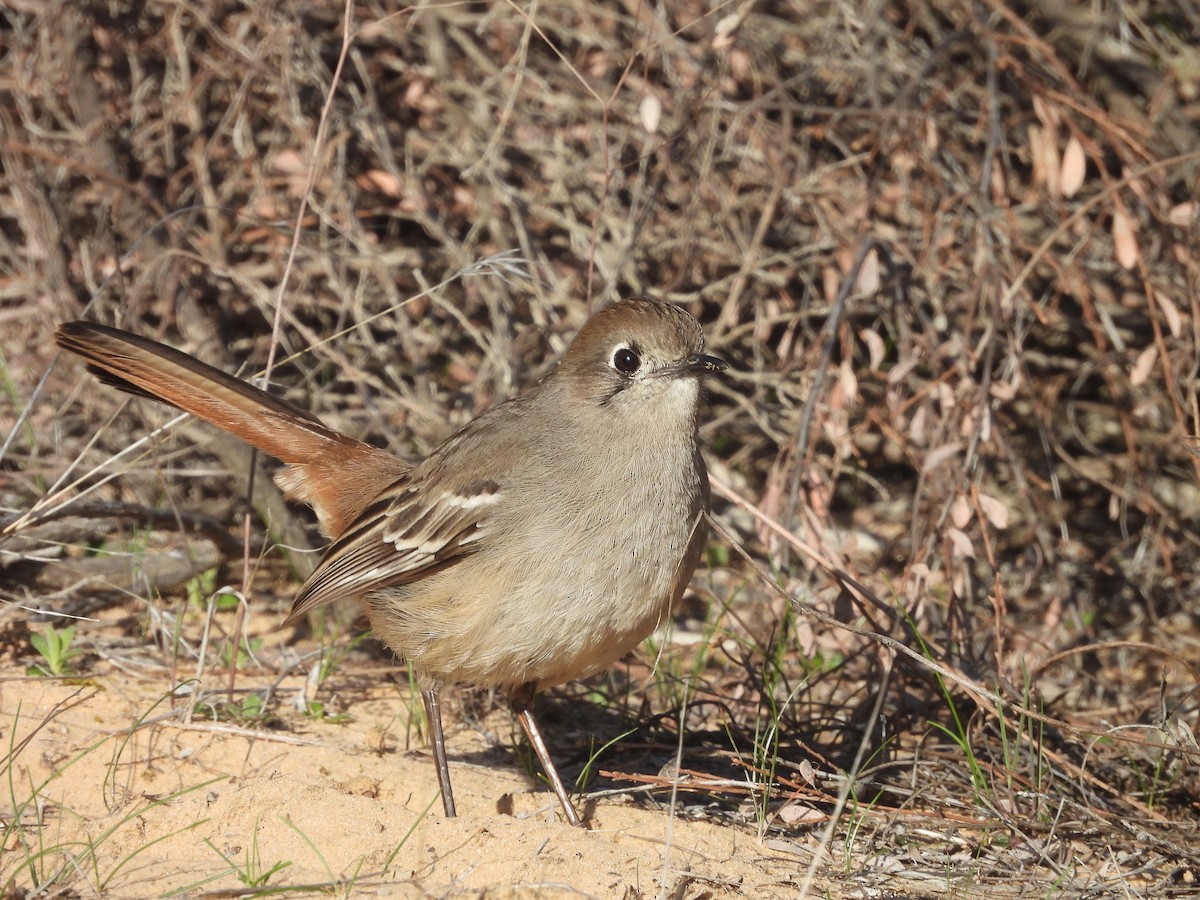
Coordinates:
(337,475)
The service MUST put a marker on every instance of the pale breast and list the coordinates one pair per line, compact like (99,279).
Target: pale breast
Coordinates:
(578,579)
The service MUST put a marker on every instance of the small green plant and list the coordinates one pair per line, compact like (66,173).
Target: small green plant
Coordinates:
(337,653)
(54,646)
(252,711)
(251,873)
(778,694)
(318,713)
(201,588)
(958,731)
(857,817)
(716,556)
(416,721)
(246,652)
(586,775)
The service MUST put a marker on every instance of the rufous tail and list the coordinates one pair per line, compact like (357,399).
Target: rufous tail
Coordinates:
(337,475)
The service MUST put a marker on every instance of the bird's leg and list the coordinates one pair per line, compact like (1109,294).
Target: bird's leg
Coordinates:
(433,712)
(521,701)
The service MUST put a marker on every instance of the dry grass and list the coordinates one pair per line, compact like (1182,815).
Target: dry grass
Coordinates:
(951,250)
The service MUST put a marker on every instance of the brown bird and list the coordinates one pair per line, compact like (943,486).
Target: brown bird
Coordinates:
(537,545)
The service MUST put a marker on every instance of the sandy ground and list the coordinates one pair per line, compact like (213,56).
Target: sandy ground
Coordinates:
(212,807)
(117,793)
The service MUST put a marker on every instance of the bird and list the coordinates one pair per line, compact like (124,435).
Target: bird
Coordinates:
(537,545)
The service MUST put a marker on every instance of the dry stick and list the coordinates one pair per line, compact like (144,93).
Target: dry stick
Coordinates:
(1084,208)
(848,784)
(186,522)
(302,210)
(521,57)
(1045,664)
(310,180)
(1109,191)
(1093,319)
(604,108)
(751,255)
(62,494)
(985,420)
(987,699)
(832,324)
(1027,37)
(1164,358)
(967,684)
(117,273)
(138,190)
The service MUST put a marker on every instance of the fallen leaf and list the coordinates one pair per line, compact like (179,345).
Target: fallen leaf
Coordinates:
(806,772)
(797,813)
(847,385)
(941,454)
(726,27)
(1003,391)
(960,512)
(1144,366)
(961,543)
(1074,167)
(999,186)
(1170,313)
(1036,157)
(830,280)
(1123,240)
(876,348)
(1183,213)
(1046,112)
(290,163)
(651,113)
(384,182)
(995,511)
(868,275)
(1052,164)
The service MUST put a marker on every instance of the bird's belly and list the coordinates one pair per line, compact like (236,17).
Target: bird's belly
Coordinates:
(533,617)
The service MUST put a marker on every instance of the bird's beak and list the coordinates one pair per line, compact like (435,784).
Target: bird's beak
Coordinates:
(702,364)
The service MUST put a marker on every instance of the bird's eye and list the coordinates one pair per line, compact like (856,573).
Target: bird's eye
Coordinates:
(626,361)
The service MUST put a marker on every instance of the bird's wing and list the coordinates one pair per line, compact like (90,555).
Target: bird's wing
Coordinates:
(408,533)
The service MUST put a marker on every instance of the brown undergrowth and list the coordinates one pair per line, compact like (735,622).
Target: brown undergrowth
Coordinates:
(950,249)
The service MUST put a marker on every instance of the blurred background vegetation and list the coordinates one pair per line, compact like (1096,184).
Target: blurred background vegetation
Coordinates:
(951,248)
